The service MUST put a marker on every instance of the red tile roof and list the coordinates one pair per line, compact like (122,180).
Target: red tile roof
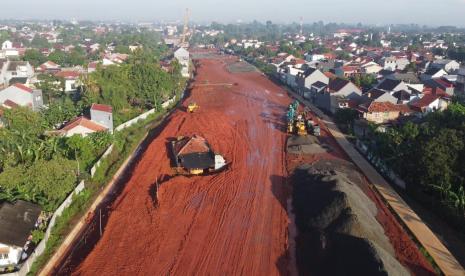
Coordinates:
(68,74)
(424,102)
(330,75)
(10,104)
(378,107)
(23,87)
(83,121)
(102,107)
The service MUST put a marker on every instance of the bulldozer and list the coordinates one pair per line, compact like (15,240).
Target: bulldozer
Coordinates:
(192,107)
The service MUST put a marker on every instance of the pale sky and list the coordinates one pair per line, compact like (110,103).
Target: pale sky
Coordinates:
(428,12)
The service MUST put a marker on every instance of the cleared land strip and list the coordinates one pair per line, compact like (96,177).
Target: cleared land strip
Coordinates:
(441,255)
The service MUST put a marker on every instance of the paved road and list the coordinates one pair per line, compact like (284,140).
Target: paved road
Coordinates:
(441,255)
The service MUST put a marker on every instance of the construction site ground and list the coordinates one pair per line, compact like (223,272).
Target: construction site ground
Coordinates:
(233,222)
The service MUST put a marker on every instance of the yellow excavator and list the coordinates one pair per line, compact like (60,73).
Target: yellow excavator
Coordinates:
(192,107)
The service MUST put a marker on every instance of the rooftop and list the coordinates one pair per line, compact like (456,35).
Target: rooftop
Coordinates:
(17,220)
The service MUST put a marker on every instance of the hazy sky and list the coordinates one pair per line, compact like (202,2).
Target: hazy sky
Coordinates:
(429,12)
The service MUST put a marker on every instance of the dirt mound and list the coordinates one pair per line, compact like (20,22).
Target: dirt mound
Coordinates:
(338,225)
(305,145)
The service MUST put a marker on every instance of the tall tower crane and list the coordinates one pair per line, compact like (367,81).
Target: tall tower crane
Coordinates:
(185,29)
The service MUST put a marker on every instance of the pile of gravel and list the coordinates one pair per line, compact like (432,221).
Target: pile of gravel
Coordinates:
(304,145)
(339,233)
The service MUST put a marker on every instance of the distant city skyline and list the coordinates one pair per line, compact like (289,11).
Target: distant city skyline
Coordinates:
(422,12)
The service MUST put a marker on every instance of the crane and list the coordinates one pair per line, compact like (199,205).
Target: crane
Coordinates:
(185,29)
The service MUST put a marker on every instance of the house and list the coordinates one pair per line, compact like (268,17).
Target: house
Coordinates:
(391,86)
(314,57)
(17,221)
(404,97)
(290,74)
(450,66)
(92,67)
(72,81)
(336,89)
(101,119)
(409,77)
(378,95)
(433,73)
(7,45)
(371,68)
(49,67)
(81,126)
(21,95)
(183,57)
(401,63)
(430,103)
(14,69)
(382,112)
(347,71)
(102,114)
(441,84)
(389,63)
(306,79)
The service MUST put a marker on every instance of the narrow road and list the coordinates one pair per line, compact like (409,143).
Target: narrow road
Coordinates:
(234,222)
(441,255)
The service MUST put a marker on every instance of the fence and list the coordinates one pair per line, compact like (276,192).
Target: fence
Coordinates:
(26,266)
(380,165)
(144,115)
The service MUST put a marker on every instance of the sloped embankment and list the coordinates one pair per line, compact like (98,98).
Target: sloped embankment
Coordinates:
(339,233)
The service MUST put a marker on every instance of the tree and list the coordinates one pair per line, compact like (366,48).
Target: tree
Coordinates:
(345,117)
(51,86)
(39,42)
(34,57)
(45,182)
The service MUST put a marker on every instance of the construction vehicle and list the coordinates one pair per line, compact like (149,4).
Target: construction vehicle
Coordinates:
(314,127)
(194,156)
(290,127)
(301,128)
(192,107)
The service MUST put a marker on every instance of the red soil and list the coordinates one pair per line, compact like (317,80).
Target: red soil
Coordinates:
(234,222)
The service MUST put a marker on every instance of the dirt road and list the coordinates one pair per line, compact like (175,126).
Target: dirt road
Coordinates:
(233,222)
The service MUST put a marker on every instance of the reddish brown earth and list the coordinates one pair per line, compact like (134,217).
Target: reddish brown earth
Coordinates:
(233,222)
